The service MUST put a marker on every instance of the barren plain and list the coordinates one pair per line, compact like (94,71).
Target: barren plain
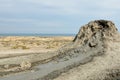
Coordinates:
(18,51)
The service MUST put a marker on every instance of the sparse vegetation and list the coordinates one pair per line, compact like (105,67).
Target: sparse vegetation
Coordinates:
(33,42)
(20,47)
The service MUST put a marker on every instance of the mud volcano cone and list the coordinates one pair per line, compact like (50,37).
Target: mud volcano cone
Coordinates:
(94,30)
(91,39)
(99,40)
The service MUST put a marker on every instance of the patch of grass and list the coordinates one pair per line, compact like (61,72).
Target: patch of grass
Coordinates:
(20,47)
(49,46)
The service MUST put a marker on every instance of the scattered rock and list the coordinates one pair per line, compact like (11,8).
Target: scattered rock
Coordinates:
(6,66)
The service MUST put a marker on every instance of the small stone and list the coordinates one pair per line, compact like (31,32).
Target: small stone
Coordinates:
(6,66)
(25,65)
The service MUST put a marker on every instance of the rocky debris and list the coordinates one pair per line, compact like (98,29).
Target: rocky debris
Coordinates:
(25,65)
(6,66)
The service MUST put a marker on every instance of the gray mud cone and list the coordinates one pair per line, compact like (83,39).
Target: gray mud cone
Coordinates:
(90,39)
(97,38)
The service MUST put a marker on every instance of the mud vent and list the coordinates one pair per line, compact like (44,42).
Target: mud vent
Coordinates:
(103,23)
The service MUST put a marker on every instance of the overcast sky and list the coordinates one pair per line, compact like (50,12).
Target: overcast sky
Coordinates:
(54,16)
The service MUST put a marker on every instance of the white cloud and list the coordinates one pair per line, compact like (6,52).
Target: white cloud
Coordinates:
(63,7)
(6,3)
(110,4)
(51,24)
(79,8)
(15,20)
(31,22)
(73,4)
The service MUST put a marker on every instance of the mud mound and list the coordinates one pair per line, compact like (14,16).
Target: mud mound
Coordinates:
(94,29)
(100,40)
(90,39)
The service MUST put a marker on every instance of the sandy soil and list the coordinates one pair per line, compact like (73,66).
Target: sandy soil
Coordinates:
(10,46)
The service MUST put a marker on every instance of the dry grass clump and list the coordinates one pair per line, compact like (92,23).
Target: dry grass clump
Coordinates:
(56,44)
(20,47)
(5,43)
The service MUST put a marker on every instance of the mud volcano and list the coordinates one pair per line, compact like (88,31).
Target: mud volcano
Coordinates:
(94,54)
(91,38)
(99,40)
